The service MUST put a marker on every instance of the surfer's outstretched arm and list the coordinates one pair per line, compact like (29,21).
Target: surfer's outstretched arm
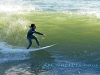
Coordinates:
(40,33)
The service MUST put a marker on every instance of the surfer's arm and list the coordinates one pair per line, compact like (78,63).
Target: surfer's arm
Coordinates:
(40,33)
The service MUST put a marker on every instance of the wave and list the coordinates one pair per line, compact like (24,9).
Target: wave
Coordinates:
(83,6)
(77,35)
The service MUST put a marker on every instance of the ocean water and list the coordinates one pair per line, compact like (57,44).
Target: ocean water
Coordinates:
(73,25)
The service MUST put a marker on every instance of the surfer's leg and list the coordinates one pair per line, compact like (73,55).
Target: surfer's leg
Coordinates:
(30,43)
(36,41)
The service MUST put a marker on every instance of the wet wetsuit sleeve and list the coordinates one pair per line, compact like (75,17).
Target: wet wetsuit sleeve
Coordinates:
(38,33)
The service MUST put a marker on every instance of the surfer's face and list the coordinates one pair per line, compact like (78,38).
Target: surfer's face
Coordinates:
(34,27)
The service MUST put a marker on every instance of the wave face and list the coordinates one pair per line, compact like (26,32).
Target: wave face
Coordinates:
(76,34)
(77,37)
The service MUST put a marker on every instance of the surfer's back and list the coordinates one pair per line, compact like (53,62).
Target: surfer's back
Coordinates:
(30,32)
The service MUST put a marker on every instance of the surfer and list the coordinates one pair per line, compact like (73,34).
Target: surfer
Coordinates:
(30,35)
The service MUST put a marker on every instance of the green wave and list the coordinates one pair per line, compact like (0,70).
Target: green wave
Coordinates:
(59,27)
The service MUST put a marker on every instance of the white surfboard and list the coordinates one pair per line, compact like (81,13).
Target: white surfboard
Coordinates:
(35,49)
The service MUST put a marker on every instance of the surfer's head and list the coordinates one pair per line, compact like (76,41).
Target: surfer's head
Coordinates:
(33,26)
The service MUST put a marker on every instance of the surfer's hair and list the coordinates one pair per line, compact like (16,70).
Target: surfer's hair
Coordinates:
(32,25)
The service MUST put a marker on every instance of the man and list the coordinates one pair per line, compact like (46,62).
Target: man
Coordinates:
(30,35)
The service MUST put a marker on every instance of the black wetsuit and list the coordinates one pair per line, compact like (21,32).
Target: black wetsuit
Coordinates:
(30,36)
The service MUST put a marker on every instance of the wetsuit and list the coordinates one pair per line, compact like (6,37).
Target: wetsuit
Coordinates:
(30,36)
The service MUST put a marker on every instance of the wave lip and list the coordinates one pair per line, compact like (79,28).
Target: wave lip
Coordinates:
(10,8)
(19,5)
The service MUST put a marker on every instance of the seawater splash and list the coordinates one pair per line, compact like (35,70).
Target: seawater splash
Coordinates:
(72,6)
(19,5)
(7,53)
(90,7)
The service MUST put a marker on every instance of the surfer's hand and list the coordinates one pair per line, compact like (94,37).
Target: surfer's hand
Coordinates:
(44,36)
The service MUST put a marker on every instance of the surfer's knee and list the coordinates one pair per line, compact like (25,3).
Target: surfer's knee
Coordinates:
(30,41)
(35,38)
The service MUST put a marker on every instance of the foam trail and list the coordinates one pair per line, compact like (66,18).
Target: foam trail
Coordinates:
(9,54)
(24,50)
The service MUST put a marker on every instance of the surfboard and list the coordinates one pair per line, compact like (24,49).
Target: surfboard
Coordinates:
(43,47)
